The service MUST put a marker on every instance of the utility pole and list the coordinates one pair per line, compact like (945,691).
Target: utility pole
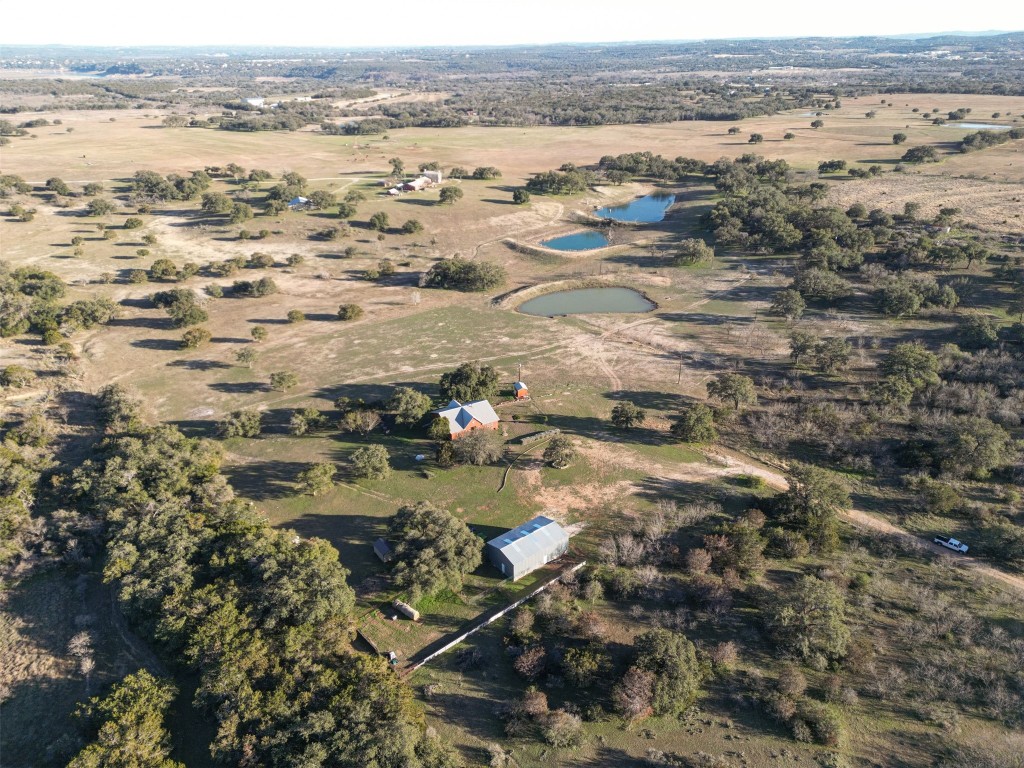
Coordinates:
(679,376)
(520,374)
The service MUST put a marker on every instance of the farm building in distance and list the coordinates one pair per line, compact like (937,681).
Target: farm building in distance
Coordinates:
(528,547)
(417,184)
(435,176)
(465,417)
(521,390)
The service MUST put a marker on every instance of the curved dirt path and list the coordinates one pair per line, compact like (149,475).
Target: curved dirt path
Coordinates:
(861,519)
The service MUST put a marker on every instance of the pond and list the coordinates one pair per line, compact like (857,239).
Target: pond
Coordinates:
(587,301)
(644,210)
(980,126)
(578,241)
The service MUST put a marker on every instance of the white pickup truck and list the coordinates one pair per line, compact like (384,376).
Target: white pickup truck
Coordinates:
(955,544)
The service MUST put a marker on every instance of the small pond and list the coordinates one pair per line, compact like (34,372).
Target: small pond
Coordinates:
(587,301)
(644,210)
(578,241)
(980,126)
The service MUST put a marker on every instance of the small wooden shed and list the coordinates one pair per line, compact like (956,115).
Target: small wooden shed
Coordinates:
(383,550)
(520,390)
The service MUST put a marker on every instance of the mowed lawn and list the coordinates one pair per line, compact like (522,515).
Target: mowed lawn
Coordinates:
(356,511)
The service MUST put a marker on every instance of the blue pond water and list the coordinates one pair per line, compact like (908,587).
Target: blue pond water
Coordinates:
(586,301)
(578,241)
(644,210)
(980,126)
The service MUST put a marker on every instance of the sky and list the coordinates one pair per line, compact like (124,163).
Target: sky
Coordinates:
(402,23)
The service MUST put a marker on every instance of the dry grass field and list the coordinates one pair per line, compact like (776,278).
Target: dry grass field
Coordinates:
(104,145)
(577,367)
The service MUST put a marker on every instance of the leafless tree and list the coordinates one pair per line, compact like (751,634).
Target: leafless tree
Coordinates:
(633,695)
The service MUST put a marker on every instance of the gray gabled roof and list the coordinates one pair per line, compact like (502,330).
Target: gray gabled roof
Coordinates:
(460,415)
(522,543)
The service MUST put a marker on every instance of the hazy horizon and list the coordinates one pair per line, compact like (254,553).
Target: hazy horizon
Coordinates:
(461,23)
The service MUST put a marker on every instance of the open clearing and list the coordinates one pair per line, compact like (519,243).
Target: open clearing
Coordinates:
(577,368)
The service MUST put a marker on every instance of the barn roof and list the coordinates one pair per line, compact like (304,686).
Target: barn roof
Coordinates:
(460,415)
(518,385)
(522,543)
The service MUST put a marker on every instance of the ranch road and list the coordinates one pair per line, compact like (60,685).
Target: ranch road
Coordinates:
(862,519)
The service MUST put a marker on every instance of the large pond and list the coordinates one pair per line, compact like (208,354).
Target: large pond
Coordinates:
(980,126)
(644,210)
(578,241)
(588,301)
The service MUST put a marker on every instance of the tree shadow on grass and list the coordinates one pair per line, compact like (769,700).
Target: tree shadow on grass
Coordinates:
(368,393)
(197,427)
(261,481)
(878,161)
(153,323)
(487,532)
(164,345)
(588,426)
(240,388)
(199,365)
(645,261)
(704,318)
(604,430)
(653,488)
(351,535)
(39,726)
(748,292)
(658,401)
(694,361)
(612,756)
(276,421)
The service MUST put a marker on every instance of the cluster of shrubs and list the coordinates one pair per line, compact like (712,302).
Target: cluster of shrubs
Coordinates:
(29,303)
(463,275)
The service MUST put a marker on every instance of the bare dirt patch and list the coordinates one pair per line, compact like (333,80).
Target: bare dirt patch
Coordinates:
(580,497)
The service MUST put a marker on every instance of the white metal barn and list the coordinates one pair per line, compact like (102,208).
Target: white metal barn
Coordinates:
(528,547)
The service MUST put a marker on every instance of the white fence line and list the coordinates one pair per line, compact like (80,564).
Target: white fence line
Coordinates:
(448,646)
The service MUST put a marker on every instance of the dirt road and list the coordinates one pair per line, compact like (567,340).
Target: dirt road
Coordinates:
(861,519)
